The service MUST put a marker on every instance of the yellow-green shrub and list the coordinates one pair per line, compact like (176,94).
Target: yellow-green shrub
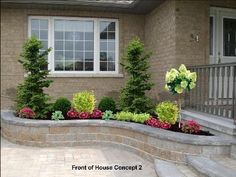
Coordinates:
(84,101)
(167,112)
(129,116)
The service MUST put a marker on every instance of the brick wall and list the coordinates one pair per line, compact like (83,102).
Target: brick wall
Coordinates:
(14,33)
(168,31)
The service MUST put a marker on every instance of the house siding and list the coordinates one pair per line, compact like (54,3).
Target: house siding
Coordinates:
(166,31)
(14,32)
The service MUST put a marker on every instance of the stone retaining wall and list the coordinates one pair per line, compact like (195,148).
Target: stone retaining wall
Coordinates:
(148,142)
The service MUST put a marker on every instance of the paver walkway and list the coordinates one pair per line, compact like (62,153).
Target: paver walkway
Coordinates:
(26,161)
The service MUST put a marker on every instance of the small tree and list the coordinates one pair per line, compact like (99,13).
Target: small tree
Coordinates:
(30,93)
(132,97)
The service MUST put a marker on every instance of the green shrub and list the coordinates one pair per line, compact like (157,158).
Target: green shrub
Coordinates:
(107,103)
(62,104)
(129,116)
(57,115)
(30,93)
(167,112)
(133,96)
(107,115)
(84,101)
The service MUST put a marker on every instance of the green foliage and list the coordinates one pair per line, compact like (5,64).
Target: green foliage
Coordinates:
(132,97)
(62,104)
(107,103)
(84,101)
(107,115)
(30,93)
(57,115)
(167,112)
(129,116)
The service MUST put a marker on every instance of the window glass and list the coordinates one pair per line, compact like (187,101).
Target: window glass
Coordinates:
(211,35)
(75,42)
(39,29)
(229,37)
(107,46)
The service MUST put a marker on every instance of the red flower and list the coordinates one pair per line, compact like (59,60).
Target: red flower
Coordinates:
(96,113)
(158,124)
(190,126)
(83,115)
(27,112)
(72,113)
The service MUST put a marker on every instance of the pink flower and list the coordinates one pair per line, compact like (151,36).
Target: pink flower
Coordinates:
(190,126)
(72,113)
(96,113)
(83,115)
(158,124)
(27,112)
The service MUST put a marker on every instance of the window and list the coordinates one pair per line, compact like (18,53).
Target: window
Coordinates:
(80,45)
(229,37)
(211,35)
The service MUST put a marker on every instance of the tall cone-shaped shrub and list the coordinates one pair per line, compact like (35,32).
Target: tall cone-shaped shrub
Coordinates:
(132,97)
(30,93)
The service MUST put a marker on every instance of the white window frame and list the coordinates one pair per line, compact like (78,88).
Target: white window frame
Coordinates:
(96,44)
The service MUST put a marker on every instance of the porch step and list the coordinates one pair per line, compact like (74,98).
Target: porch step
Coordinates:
(169,169)
(217,123)
(208,167)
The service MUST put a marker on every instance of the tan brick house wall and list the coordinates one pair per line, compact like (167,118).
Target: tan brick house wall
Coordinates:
(166,31)
(14,33)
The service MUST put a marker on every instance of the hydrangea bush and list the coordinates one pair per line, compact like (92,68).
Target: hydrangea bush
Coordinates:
(179,80)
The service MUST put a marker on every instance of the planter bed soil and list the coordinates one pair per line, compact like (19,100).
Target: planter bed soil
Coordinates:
(174,128)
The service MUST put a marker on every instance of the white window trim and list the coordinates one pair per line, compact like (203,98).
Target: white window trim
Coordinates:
(96,72)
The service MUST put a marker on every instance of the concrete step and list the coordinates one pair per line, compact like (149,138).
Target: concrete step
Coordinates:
(209,167)
(169,169)
(216,124)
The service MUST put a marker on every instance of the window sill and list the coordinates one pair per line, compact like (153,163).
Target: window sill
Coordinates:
(86,75)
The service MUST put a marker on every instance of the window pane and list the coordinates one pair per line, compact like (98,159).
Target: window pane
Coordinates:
(35,33)
(103,56)
(88,66)
(79,45)
(69,66)
(34,24)
(79,36)
(45,45)
(111,66)
(229,37)
(79,56)
(59,55)
(69,35)
(69,55)
(44,24)
(103,66)
(107,46)
(103,46)
(89,36)
(59,25)
(59,45)
(58,35)
(104,26)
(74,41)
(79,66)
(111,56)
(68,45)
(59,66)
(111,26)
(89,56)
(111,35)
(111,46)
(44,34)
(89,45)
(211,36)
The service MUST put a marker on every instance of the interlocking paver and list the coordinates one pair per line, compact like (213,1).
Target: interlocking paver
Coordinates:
(27,161)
